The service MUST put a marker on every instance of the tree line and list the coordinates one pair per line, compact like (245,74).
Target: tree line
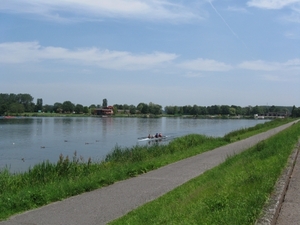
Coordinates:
(24,103)
(223,110)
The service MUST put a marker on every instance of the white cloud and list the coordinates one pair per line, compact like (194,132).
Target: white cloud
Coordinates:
(271,4)
(33,53)
(23,52)
(205,65)
(99,9)
(293,64)
(260,65)
(273,78)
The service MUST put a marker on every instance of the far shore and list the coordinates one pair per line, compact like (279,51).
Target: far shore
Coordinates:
(28,115)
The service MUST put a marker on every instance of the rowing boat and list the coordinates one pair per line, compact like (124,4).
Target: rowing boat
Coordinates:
(152,139)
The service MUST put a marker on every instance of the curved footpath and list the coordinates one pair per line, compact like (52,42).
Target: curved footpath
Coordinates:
(108,203)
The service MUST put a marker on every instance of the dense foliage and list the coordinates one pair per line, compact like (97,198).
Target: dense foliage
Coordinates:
(23,103)
(17,103)
(295,112)
(232,110)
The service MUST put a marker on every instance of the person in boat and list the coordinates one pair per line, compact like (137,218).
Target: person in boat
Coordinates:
(157,135)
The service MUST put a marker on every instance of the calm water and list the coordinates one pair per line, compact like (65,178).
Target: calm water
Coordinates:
(28,141)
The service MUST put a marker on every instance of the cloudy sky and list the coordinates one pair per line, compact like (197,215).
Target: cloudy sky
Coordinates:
(169,52)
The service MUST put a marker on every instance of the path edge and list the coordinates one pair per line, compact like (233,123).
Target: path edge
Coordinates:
(272,208)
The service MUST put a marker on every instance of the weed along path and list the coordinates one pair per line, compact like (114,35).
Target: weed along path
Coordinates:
(108,203)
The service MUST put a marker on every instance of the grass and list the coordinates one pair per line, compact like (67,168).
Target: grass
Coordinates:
(247,132)
(48,182)
(231,193)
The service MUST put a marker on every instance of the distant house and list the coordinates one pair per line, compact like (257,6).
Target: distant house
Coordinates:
(277,114)
(107,111)
(272,115)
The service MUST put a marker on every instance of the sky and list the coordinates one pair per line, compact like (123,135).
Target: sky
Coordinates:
(168,52)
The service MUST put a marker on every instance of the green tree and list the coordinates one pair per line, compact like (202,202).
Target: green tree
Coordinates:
(169,110)
(157,109)
(132,109)
(225,110)
(48,108)
(181,110)
(125,107)
(188,110)
(143,108)
(92,108)
(273,109)
(203,110)
(232,111)
(195,110)
(4,103)
(118,106)
(154,108)
(295,112)
(58,107)
(85,110)
(26,101)
(176,110)
(78,109)
(68,107)
(214,110)
(257,110)
(238,109)
(16,108)
(115,110)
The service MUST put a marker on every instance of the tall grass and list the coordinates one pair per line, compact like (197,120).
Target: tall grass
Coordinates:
(246,132)
(48,182)
(232,193)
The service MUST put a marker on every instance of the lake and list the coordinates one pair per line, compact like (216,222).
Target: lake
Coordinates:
(25,142)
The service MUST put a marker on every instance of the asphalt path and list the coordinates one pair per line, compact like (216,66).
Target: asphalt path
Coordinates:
(108,203)
(290,205)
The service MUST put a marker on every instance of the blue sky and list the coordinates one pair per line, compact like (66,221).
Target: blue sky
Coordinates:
(203,52)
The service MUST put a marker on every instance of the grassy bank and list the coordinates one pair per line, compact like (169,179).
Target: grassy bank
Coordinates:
(231,193)
(49,182)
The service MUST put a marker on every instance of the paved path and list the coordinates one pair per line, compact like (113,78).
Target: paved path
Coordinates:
(108,203)
(290,209)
